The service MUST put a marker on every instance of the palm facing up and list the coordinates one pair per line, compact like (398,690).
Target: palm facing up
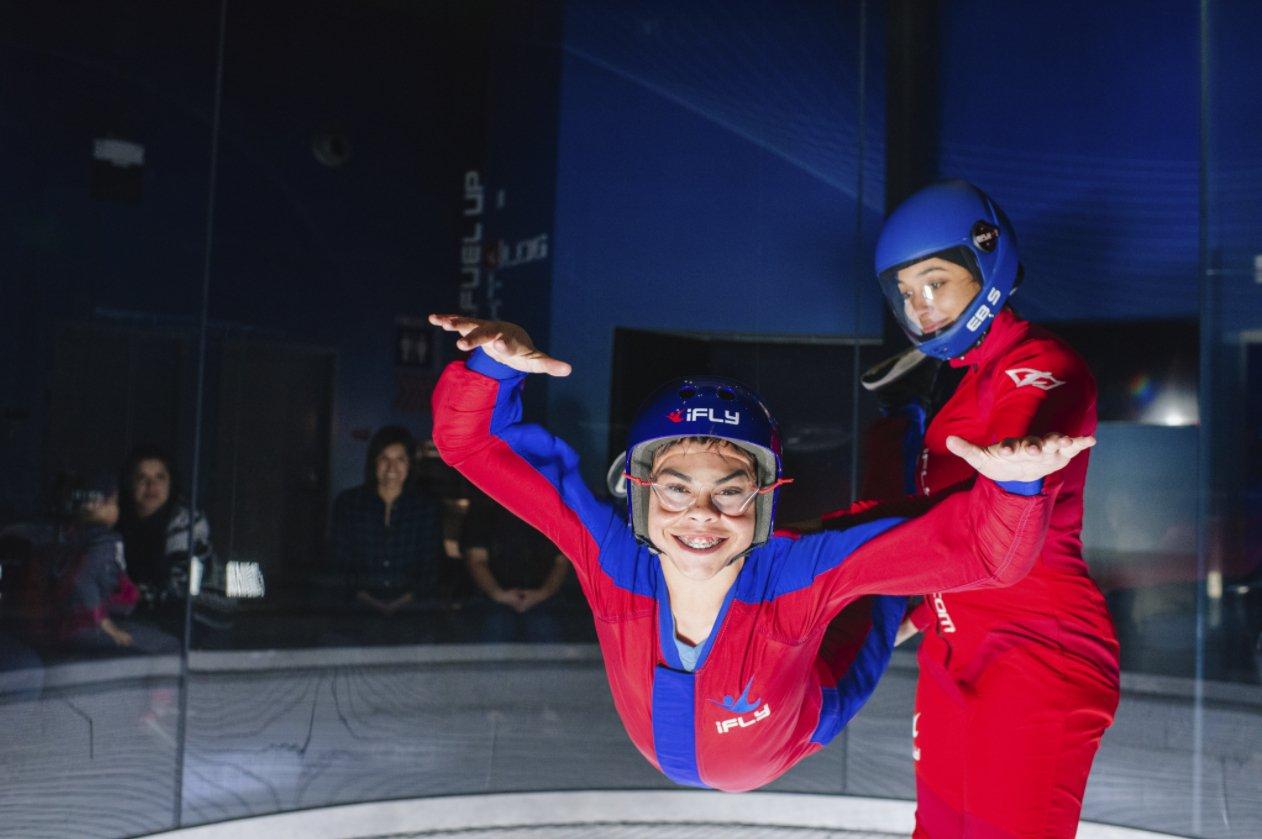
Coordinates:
(1020,458)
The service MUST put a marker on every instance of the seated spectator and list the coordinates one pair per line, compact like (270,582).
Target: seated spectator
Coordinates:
(92,590)
(449,487)
(387,541)
(519,572)
(156,526)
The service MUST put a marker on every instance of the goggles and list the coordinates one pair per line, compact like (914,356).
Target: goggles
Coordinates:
(731,498)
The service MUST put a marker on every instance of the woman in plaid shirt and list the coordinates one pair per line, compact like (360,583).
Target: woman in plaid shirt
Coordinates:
(387,539)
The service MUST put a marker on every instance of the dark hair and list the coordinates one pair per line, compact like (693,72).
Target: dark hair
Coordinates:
(127,513)
(142,453)
(382,439)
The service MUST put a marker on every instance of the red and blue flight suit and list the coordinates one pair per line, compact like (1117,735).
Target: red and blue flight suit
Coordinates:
(762,695)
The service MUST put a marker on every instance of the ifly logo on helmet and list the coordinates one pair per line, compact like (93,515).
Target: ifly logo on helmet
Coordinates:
(705,415)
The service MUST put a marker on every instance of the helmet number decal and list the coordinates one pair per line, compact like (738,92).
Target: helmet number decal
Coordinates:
(980,317)
(984,312)
(985,236)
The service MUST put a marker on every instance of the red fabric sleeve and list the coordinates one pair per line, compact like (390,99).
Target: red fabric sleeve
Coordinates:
(982,538)
(922,617)
(478,431)
(860,512)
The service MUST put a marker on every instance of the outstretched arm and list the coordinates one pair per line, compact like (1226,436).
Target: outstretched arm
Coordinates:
(1011,459)
(988,536)
(478,431)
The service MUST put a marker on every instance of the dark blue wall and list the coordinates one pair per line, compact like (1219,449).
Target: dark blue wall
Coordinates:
(1081,119)
(1235,166)
(708,181)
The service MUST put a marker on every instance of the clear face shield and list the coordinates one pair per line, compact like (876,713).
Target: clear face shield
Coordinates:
(928,295)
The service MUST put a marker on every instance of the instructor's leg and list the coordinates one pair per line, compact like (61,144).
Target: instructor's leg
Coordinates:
(938,752)
(1034,726)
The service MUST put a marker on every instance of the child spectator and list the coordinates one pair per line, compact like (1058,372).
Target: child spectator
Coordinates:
(92,588)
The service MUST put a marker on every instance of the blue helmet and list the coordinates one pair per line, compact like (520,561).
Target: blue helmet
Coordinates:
(955,221)
(704,406)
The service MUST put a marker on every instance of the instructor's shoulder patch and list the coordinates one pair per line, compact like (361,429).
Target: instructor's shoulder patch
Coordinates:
(1041,379)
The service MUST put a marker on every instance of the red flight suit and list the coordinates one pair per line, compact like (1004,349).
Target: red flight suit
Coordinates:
(1016,685)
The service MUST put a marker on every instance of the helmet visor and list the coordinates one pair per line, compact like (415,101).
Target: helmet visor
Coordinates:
(929,294)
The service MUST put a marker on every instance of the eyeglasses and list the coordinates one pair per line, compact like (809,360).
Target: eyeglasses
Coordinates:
(731,498)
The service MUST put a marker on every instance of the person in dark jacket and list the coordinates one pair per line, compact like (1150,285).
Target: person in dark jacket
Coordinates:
(387,542)
(518,570)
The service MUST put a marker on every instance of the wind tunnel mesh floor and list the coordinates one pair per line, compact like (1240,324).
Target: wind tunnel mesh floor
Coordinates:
(636,831)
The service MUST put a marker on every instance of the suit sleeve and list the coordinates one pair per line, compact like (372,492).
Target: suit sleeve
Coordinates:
(862,512)
(479,432)
(985,537)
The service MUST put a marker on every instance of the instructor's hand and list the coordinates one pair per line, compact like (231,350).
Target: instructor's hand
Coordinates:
(505,342)
(1020,458)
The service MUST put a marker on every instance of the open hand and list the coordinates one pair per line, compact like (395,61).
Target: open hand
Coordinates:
(117,634)
(1020,458)
(505,342)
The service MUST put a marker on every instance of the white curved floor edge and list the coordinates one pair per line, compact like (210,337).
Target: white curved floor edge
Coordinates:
(837,812)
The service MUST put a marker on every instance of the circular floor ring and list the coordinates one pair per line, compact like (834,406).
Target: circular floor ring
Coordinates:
(673,814)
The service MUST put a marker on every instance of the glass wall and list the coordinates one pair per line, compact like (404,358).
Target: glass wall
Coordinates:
(236,576)
(1231,320)
(108,135)
(1229,615)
